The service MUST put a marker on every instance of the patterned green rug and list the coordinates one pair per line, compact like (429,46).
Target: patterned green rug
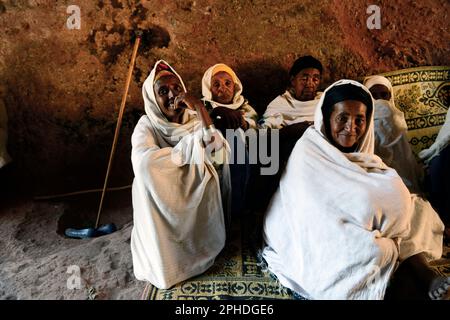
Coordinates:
(236,274)
(423,94)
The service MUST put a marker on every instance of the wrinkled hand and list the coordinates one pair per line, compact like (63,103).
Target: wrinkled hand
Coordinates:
(225,118)
(187,101)
(214,141)
(294,131)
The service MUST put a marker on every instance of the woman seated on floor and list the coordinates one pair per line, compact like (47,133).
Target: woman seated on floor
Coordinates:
(181,183)
(391,142)
(437,160)
(222,94)
(341,219)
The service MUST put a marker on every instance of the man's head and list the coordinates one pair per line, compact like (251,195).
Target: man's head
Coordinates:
(305,76)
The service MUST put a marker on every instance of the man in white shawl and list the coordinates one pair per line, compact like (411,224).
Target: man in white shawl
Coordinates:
(293,111)
(391,142)
(341,219)
(437,159)
(178,197)
(298,103)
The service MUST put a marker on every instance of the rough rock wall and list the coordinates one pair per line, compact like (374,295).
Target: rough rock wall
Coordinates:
(62,88)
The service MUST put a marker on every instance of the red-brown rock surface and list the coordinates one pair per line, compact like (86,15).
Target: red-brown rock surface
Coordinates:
(62,88)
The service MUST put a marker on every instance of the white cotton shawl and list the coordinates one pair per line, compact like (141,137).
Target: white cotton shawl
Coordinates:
(178,212)
(442,140)
(285,110)
(391,142)
(238,103)
(334,227)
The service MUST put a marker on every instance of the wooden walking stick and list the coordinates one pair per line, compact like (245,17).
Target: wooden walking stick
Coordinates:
(119,123)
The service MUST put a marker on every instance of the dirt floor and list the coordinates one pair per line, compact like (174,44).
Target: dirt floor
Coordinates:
(62,89)
(37,261)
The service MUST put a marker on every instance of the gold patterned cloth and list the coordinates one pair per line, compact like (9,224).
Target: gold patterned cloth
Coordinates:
(423,94)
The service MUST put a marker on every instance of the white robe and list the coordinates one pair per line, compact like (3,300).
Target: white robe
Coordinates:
(391,142)
(177,198)
(339,222)
(285,110)
(442,140)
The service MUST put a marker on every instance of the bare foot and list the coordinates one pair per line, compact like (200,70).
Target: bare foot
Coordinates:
(440,289)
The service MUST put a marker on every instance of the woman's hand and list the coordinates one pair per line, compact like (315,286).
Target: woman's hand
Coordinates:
(225,118)
(244,124)
(187,101)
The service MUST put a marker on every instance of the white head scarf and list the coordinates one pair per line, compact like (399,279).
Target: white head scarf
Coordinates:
(370,81)
(169,132)
(391,123)
(367,141)
(238,99)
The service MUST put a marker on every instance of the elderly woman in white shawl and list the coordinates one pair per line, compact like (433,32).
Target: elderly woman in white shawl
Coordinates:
(178,197)
(342,219)
(222,93)
(229,110)
(391,143)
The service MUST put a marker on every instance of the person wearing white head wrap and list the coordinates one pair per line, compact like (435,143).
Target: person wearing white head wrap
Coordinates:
(222,94)
(234,101)
(179,200)
(341,219)
(391,142)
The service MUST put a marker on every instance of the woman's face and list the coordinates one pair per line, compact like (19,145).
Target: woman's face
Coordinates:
(348,123)
(380,91)
(166,89)
(222,87)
